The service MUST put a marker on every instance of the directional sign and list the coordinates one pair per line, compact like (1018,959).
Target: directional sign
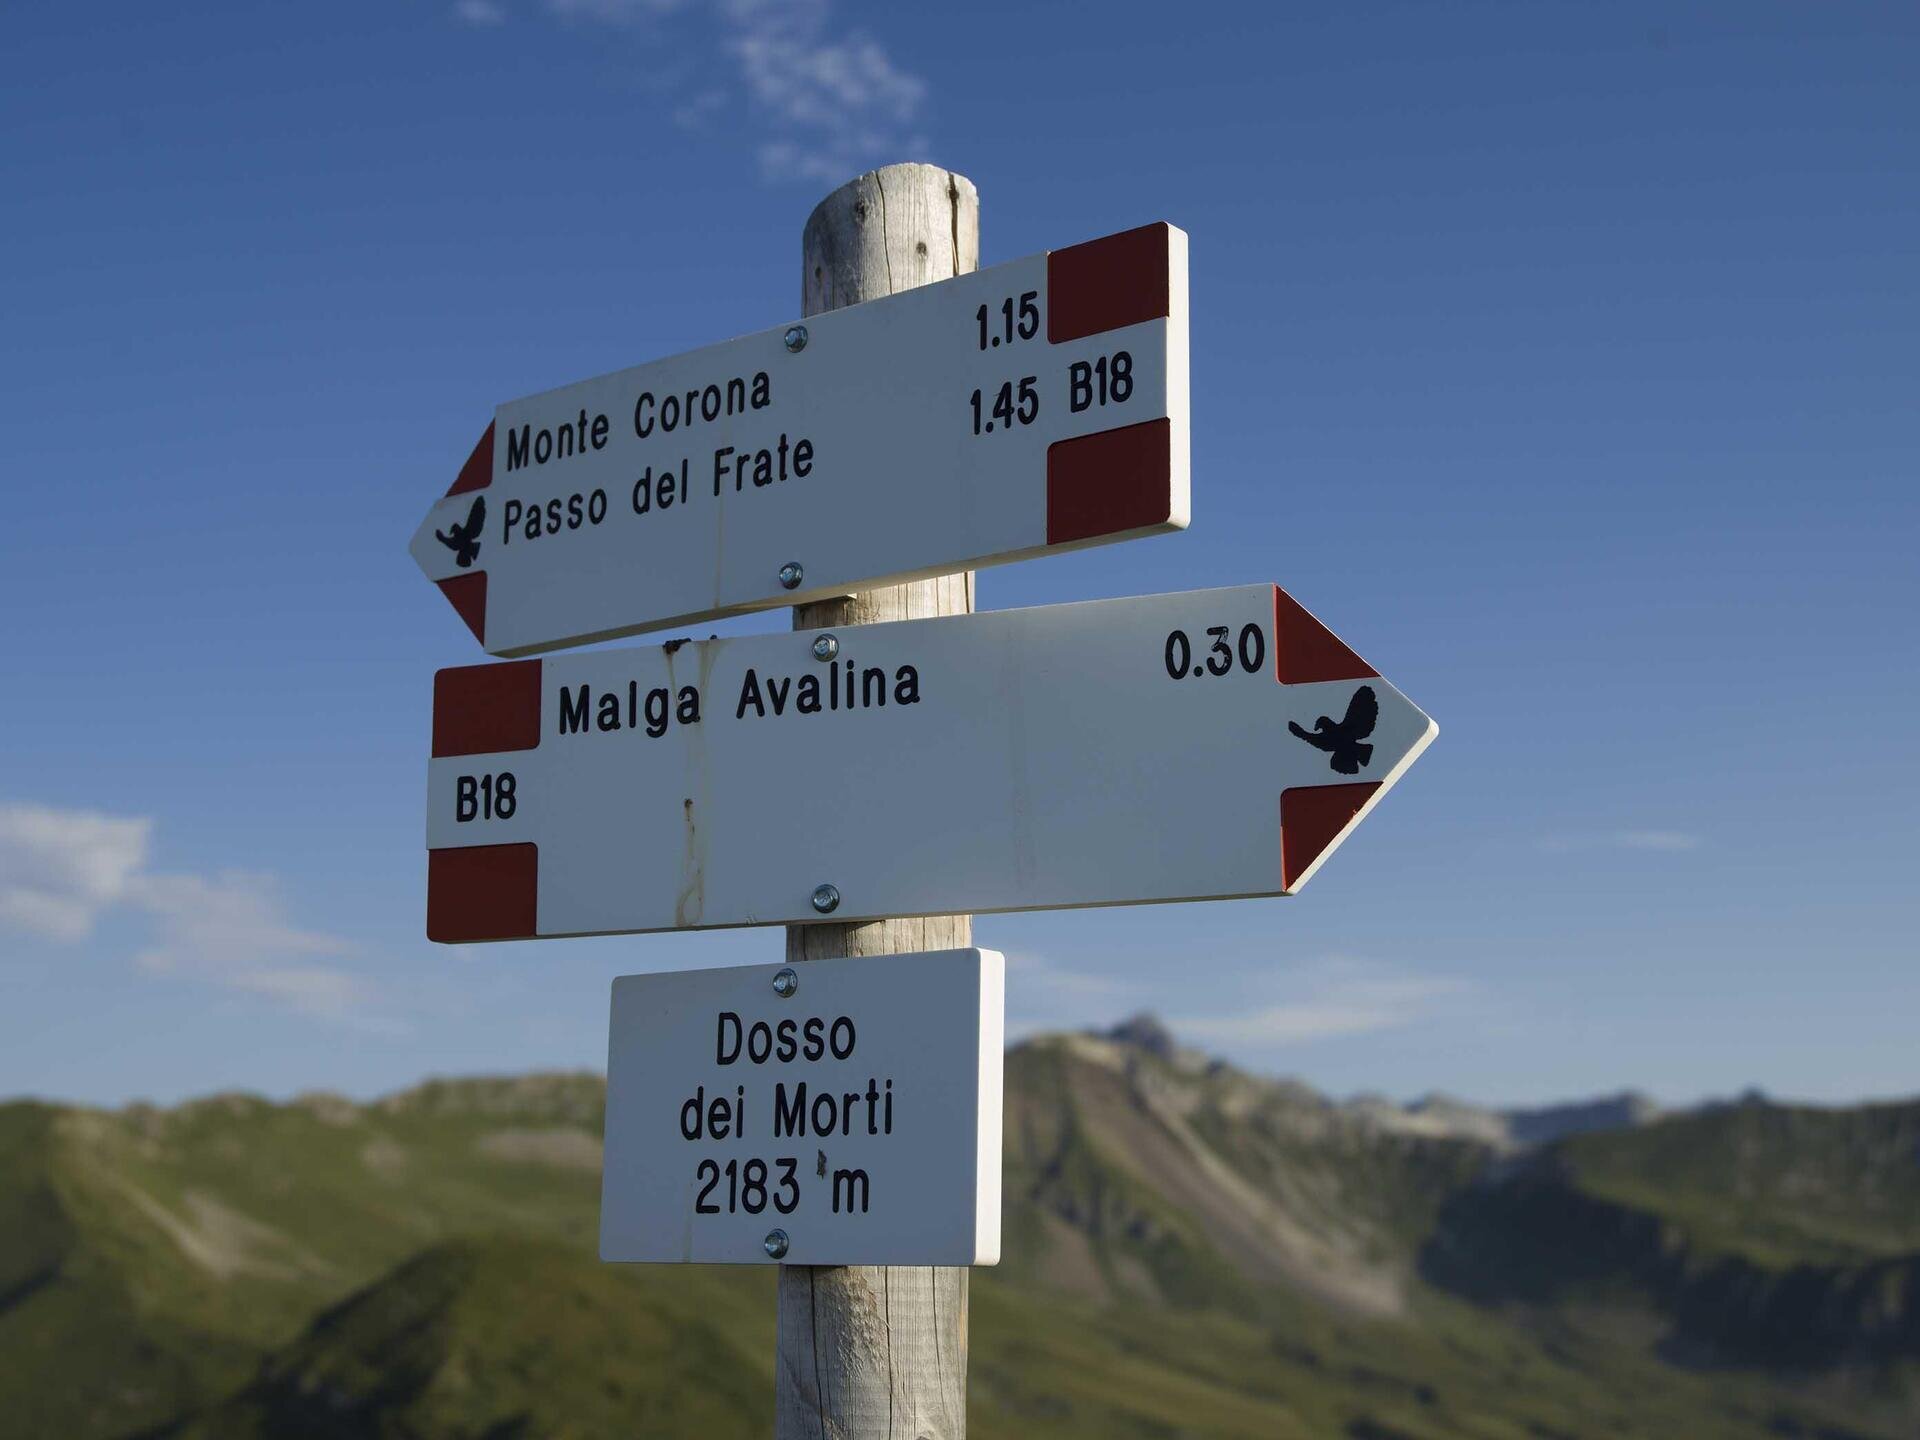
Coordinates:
(1037,406)
(1205,745)
(840,1112)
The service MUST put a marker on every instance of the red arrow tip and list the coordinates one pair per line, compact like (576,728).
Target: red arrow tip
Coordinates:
(477,473)
(468,596)
(1312,817)
(1304,650)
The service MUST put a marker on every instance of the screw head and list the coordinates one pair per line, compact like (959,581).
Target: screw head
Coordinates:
(791,575)
(826,899)
(785,981)
(825,647)
(796,338)
(776,1244)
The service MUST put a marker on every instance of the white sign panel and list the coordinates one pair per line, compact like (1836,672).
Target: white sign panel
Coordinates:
(1037,406)
(838,1112)
(1205,745)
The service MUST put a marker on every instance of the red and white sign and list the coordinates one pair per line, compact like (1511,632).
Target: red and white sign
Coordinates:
(1037,406)
(1206,745)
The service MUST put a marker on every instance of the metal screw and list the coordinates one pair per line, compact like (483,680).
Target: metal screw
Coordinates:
(785,981)
(825,647)
(796,338)
(791,575)
(776,1244)
(826,899)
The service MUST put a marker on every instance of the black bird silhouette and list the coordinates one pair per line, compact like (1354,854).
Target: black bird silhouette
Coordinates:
(465,539)
(1342,741)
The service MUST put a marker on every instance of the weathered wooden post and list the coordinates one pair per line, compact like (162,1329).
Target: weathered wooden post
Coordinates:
(875,1352)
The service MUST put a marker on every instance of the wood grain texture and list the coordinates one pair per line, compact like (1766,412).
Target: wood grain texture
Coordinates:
(871,1352)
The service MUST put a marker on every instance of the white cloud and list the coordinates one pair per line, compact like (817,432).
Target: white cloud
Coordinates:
(834,100)
(59,869)
(1656,840)
(315,990)
(838,102)
(695,113)
(1042,996)
(62,870)
(1326,999)
(1333,999)
(809,79)
(1663,841)
(482,13)
(613,12)
(222,923)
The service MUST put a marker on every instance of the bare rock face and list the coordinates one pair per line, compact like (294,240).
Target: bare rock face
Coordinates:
(1581,1117)
(1146,1033)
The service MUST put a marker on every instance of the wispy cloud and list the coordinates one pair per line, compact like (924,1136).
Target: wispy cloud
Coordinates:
(1663,841)
(838,102)
(1332,999)
(484,14)
(613,12)
(831,101)
(1043,996)
(692,114)
(316,990)
(1656,840)
(1325,999)
(231,930)
(62,871)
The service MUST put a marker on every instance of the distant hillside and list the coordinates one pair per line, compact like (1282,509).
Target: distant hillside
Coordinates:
(1768,1236)
(1436,1116)
(1191,1251)
(469,1335)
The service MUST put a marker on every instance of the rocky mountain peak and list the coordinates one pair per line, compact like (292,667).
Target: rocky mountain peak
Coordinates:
(1144,1032)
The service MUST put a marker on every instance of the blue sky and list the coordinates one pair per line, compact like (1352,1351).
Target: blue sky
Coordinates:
(1562,357)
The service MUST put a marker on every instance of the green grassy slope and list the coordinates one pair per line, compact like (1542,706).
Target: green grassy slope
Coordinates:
(1778,1185)
(1762,1237)
(499,1338)
(154,1255)
(505,1338)
(1190,1252)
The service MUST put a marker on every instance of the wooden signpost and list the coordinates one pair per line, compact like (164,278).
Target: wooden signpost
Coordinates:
(866,1350)
(875,777)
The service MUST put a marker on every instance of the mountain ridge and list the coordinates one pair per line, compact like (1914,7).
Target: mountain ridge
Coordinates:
(1435,1112)
(1292,1264)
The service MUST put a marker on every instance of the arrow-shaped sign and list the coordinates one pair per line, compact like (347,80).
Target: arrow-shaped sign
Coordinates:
(1104,753)
(1037,406)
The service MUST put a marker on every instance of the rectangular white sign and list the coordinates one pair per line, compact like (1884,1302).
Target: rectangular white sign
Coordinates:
(837,1112)
(1206,745)
(1040,405)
